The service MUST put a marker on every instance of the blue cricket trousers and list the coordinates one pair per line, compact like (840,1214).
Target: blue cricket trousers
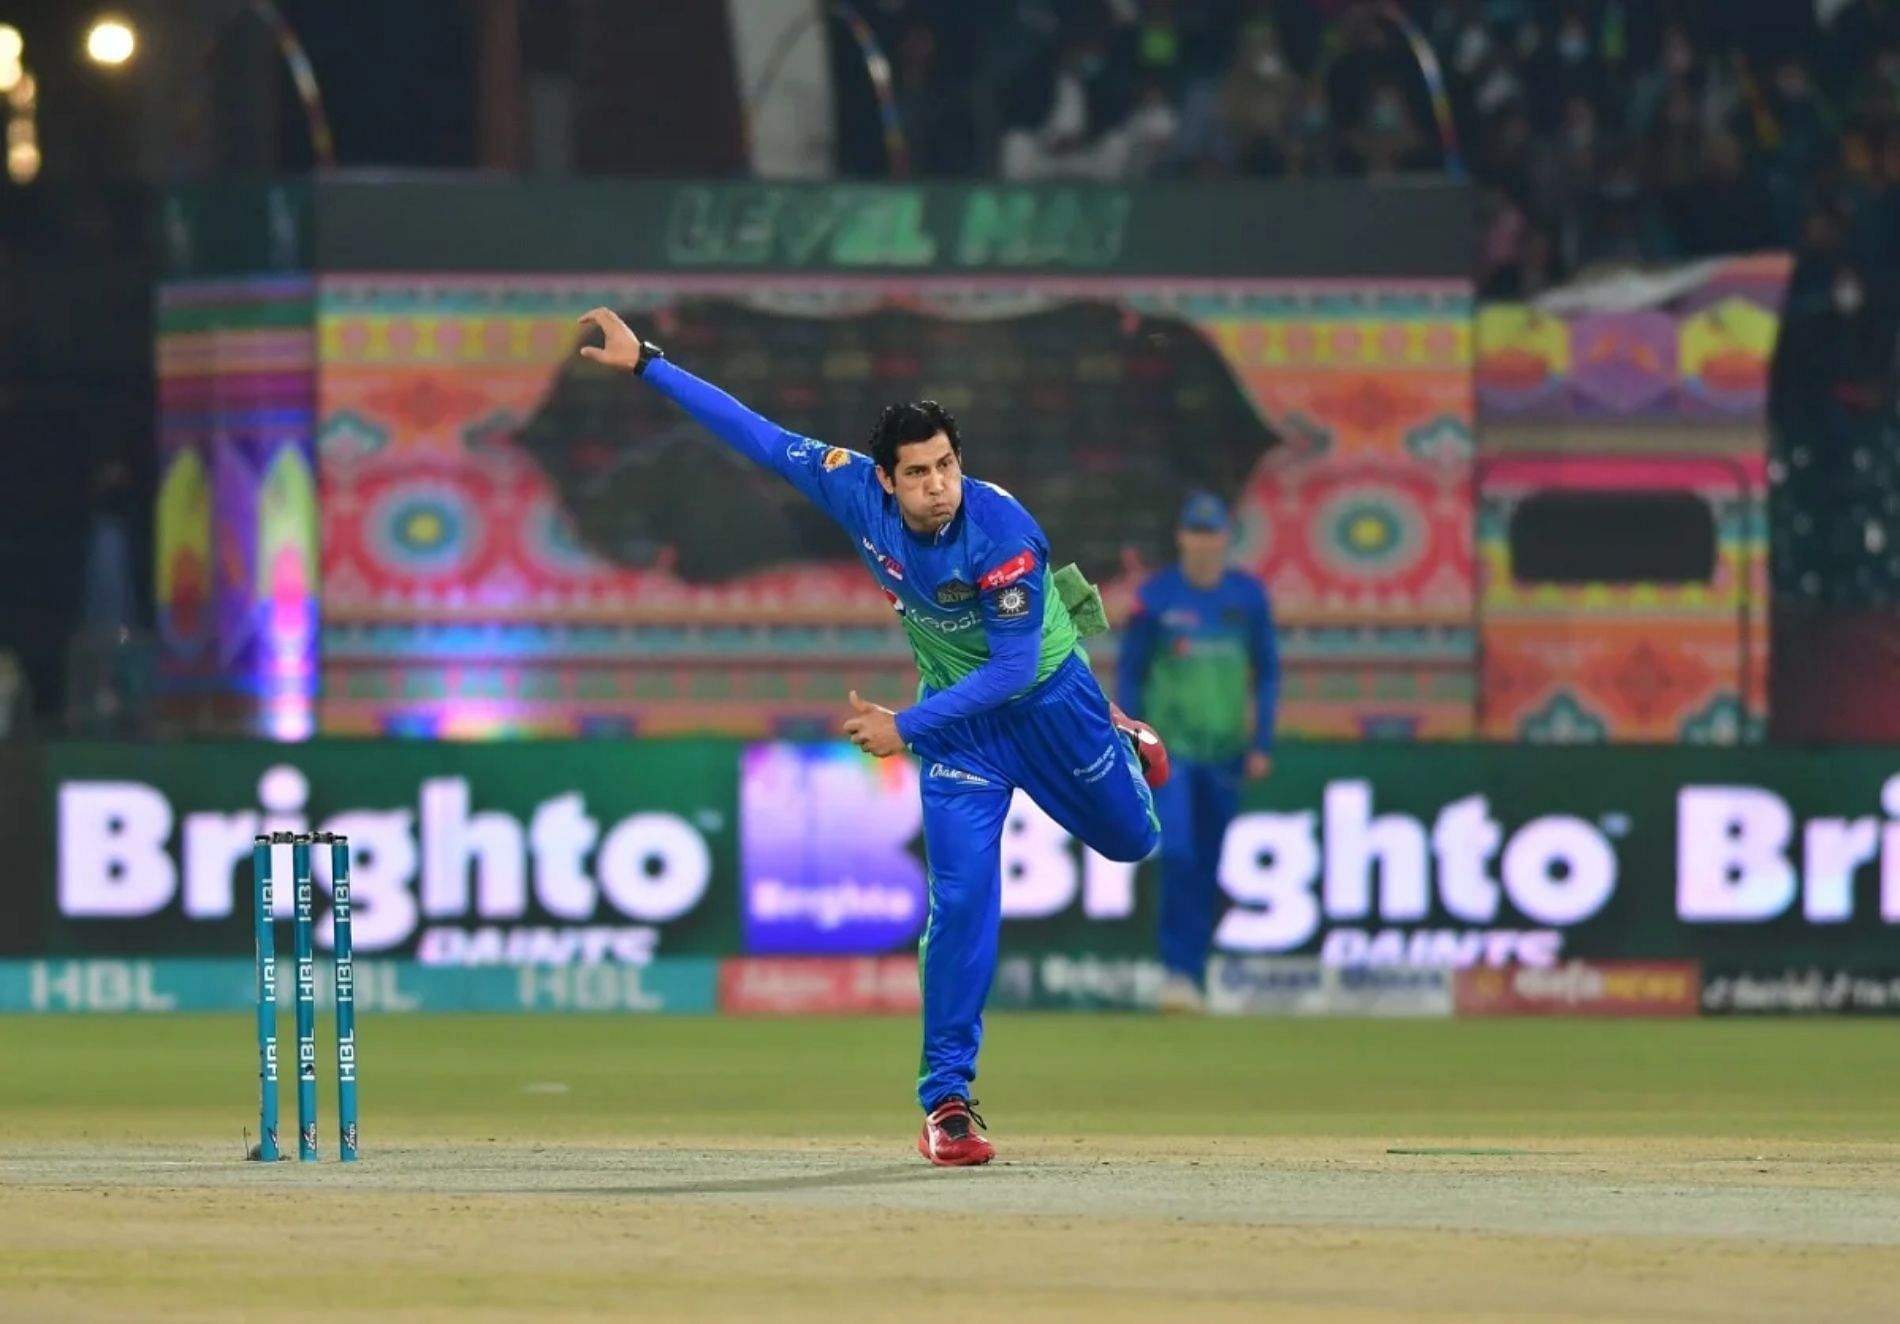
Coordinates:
(1057,744)
(1196,805)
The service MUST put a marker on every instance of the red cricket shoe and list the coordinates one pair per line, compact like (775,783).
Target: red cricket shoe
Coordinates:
(1148,747)
(950,1138)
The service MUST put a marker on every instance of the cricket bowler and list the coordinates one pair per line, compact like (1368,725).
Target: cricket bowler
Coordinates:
(1007,699)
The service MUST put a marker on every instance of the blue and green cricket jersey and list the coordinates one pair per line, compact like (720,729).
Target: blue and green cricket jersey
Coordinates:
(976,598)
(1198,664)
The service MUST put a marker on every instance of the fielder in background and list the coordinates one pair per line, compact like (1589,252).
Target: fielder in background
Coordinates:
(1198,660)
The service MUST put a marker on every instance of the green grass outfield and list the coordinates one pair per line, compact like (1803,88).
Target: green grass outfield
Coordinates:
(525,1079)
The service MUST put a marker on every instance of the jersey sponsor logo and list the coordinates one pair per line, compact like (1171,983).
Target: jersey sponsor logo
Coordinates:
(836,458)
(888,564)
(1098,769)
(1013,602)
(1176,618)
(804,448)
(945,624)
(944,772)
(897,604)
(1009,572)
(954,592)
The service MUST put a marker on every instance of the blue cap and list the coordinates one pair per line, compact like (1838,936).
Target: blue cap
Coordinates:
(1206,512)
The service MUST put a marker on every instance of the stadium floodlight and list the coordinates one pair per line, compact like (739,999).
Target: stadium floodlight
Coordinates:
(111,41)
(12,49)
(23,151)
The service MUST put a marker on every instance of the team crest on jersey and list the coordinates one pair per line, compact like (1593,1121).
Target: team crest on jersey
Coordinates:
(954,592)
(837,457)
(1013,601)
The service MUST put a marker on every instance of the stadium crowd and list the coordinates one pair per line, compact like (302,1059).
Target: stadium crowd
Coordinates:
(1600,133)
(1600,130)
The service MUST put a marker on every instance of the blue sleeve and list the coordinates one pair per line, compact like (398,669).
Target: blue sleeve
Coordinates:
(1138,641)
(830,476)
(1011,594)
(1266,672)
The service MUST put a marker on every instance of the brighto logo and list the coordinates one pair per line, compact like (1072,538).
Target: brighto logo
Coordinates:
(1742,857)
(774,901)
(1296,876)
(468,885)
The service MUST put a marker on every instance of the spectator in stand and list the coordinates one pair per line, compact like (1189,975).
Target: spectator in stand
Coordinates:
(935,102)
(1870,136)
(1386,142)
(1460,35)
(1310,145)
(1068,114)
(1681,69)
(1573,63)
(1367,58)
(1677,144)
(1244,122)
(1509,153)
(1480,76)
(1564,179)
(1617,226)
(1151,131)
(1787,133)
(1156,45)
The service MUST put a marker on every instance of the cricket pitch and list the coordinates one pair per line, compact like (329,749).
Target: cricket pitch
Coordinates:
(766,1206)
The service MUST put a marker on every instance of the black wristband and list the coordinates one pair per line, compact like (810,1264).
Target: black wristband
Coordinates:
(648,352)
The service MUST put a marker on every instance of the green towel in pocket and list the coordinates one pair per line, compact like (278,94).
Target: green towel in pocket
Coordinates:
(1083,601)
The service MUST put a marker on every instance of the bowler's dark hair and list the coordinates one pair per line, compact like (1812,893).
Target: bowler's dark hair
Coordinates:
(901,425)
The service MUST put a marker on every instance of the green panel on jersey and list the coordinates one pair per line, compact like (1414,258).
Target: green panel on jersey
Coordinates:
(1201,698)
(946,656)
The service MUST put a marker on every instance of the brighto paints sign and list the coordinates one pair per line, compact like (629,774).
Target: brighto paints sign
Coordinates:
(471,858)
(1461,888)
(438,876)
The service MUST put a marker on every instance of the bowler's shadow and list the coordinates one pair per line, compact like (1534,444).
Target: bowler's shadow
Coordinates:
(884,1174)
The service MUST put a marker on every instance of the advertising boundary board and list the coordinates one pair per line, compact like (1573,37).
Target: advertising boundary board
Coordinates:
(1800,991)
(681,985)
(1305,986)
(819,985)
(1612,989)
(1360,856)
